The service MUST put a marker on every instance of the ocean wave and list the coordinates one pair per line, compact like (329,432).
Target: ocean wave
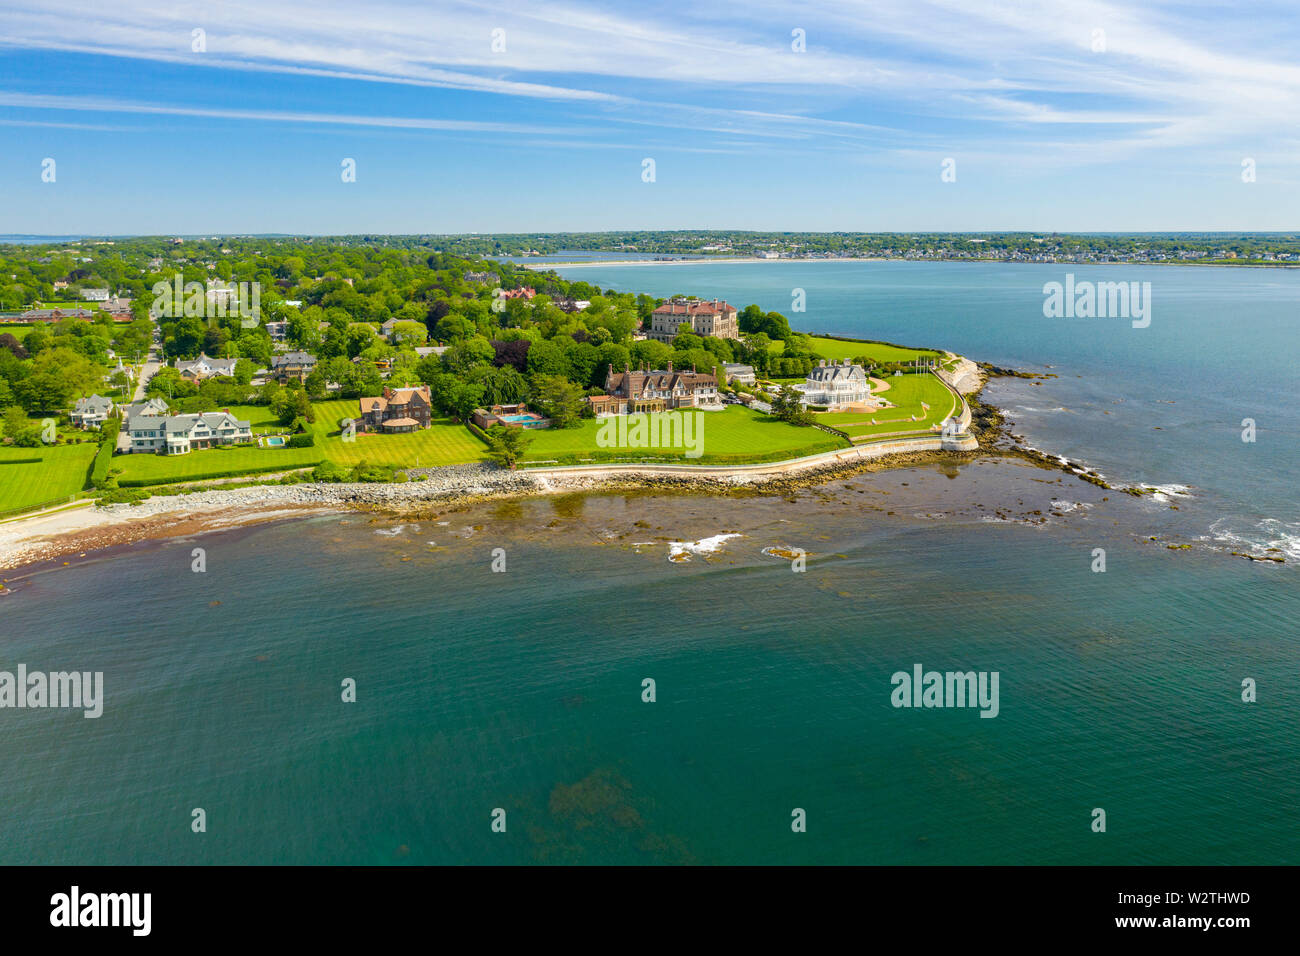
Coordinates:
(1258,535)
(681,551)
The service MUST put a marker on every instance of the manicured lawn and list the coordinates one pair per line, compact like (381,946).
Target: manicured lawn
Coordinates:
(18,331)
(61,472)
(730,436)
(259,417)
(212,462)
(876,351)
(443,443)
(907,392)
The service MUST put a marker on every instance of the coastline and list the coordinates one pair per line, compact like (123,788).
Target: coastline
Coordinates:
(75,532)
(746,260)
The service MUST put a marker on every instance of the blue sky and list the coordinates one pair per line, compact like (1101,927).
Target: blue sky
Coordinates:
(1071,115)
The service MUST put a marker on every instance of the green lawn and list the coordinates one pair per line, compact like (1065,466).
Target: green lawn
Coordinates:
(733,435)
(443,443)
(61,472)
(210,463)
(907,392)
(18,331)
(259,417)
(835,349)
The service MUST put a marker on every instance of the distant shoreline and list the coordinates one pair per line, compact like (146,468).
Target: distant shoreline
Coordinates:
(738,260)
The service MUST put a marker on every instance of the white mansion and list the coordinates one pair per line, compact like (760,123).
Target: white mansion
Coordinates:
(178,434)
(836,386)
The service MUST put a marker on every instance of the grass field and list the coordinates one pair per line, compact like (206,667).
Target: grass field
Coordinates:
(61,472)
(259,417)
(878,352)
(907,392)
(215,462)
(733,435)
(441,444)
(18,331)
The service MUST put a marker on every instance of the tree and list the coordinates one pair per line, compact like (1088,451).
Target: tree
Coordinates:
(559,399)
(787,407)
(507,445)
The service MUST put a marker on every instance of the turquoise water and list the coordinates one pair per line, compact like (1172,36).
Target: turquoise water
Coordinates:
(522,689)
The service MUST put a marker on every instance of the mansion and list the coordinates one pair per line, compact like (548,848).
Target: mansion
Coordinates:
(705,317)
(628,392)
(179,434)
(837,386)
(397,410)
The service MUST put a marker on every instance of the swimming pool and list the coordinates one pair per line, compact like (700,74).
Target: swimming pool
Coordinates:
(274,441)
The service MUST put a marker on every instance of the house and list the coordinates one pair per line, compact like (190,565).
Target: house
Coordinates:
(292,365)
(60,284)
(203,367)
(705,317)
(91,411)
(397,410)
(278,331)
(739,373)
(54,315)
(565,304)
(481,277)
(95,295)
(151,406)
(627,392)
(524,292)
(836,386)
(180,434)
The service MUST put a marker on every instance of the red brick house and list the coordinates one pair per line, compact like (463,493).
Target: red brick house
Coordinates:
(397,410)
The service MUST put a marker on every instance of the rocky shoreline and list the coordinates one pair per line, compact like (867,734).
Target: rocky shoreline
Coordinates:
(208,507)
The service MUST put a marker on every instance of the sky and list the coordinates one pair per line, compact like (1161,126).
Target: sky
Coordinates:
(156,116)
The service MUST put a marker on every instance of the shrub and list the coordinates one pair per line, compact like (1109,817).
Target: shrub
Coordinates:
(301,441)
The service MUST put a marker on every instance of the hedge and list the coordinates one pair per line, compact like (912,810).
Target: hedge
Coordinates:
(104,457)
(306,440)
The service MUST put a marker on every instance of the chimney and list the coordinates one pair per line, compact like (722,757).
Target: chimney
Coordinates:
(670,366)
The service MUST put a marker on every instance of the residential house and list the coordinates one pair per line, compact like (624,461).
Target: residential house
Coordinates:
(523,292)
(180,434)
(95,295)
(60,285)
(91,411)
(836,386)
(565,304)
(278,331)
(705,317)
(739,373)
(150,406)
(627,392)
(397,410)
(481,277)
(292,365)
(54,315)
(204,367)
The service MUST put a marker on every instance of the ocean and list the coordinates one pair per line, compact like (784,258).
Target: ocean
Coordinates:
(519,695)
